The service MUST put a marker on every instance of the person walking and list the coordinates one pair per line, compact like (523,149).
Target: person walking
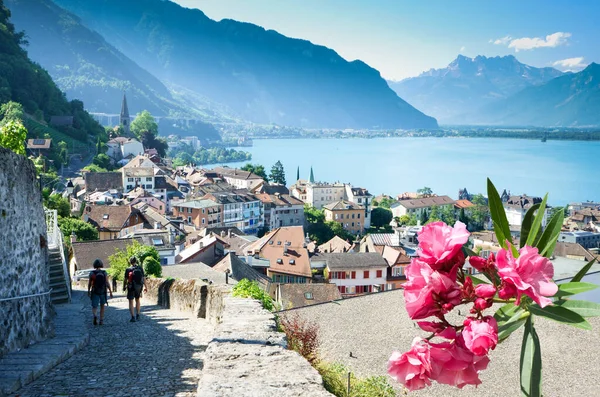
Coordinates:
(134,282)
(97,286)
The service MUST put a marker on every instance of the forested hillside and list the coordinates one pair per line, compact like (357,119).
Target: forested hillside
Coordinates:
(27,83)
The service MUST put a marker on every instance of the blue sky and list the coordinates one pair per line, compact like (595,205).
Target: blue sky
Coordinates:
(404,38)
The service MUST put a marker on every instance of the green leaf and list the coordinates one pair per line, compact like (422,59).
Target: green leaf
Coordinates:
(531,362)
(477,281)
(526,225)
(583,308)
(501,227)
(537,222)
(509,319)
(574,288)
(583,271)
(468,251)
(547,242)
(562,315)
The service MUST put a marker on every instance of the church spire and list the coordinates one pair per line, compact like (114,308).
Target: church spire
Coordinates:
(298,174)
(124,119)
(312,176)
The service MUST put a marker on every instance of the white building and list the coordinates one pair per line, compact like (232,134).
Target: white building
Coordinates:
(193,141)
(417,206)
(517,206)
(240,209)
(321,194)
(354,273)
(122,147)
(238,178)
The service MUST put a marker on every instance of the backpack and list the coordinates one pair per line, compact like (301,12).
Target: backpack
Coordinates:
(137,275)
(99,278)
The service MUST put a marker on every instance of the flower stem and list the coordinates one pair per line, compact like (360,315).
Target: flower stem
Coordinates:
(495,300)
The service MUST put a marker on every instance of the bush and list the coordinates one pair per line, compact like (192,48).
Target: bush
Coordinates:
(152,267)
(335,380)
(119,261)
(302,336)
(250,289)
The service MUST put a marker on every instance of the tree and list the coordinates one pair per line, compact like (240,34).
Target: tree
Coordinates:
(144,122)
(152,267)
(94,168)
(425,192)
(447,215)
(119,261)
(403,220)
(313,215)
(183,159)
(11,111)
(60,204)
(424,217)
(13,135)
(103,161)
(83,230)
(463,217)
(277,173)
(380,217)
(386,202)
(479,214)
(554,210)
(256,169)
(434,215)
(151,141)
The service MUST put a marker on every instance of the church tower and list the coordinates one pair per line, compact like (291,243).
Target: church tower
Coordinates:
(124,119)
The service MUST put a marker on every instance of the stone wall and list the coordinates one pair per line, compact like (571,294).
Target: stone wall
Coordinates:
(23,256)
(195,297)
(248,357)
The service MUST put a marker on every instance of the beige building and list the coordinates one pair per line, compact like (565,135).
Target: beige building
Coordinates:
(417,206)
(350,215)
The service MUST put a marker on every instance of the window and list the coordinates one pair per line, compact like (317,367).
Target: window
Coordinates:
(342,289)
(295,211)
(157,241)
(280,261)
(129,179)
(359,201)
(203,211)
(308,295)
(203,220)
(353,274)
(164,261)
(366,274)
(336,216)
(398,271)
(189,210)
(379,273)
(352,224)
(359,216)
(292,261)
(352,216)
(149,179)
(189,219)
(105,216)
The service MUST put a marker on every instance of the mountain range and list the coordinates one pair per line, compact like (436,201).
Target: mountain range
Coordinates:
(451,94)
(260,75)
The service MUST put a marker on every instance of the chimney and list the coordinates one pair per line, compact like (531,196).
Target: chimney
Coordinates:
(172,237)
(223,233)
(229,233)
(73,238)
(157,225)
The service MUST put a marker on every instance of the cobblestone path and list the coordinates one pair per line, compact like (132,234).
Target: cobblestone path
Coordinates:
(160,355)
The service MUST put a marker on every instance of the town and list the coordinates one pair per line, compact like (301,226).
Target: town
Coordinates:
(332,240)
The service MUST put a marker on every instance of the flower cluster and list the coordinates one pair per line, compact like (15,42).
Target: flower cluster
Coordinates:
(436,283)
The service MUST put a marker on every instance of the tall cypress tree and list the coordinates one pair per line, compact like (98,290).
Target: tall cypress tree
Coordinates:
(298,174)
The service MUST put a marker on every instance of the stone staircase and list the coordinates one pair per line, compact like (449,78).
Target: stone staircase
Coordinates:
(60,293)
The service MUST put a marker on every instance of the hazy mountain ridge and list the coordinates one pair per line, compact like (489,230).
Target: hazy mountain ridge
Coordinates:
(260,74)
(467,84)
(571,100)
(84,65)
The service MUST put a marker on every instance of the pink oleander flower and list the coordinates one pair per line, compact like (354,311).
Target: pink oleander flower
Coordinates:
(412,368)
(480,336)
(531,274)
(428,292)
(453,364)
(485,291)
(440,245)
(481,304)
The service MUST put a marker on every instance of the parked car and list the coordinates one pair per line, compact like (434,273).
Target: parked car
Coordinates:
(82,274)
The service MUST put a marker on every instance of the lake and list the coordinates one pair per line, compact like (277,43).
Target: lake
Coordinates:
(567,170)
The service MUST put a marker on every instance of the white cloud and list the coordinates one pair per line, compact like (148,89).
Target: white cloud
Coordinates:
(570,64)
(529,43)
(501,41)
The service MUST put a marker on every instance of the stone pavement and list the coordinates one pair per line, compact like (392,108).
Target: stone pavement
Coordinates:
(160,355)
(71,334)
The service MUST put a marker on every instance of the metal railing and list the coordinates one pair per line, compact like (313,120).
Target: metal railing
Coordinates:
(55,240)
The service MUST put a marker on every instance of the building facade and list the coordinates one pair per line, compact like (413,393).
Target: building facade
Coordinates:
(417,206)
(356,273)
(281,210)
(200,213)
(517,206)
(586,239)
(240,209)
(350,215)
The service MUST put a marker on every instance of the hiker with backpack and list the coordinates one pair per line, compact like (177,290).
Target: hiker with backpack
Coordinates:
(134,281)
(97,286)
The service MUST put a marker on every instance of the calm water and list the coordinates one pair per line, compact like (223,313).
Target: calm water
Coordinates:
(568,170)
